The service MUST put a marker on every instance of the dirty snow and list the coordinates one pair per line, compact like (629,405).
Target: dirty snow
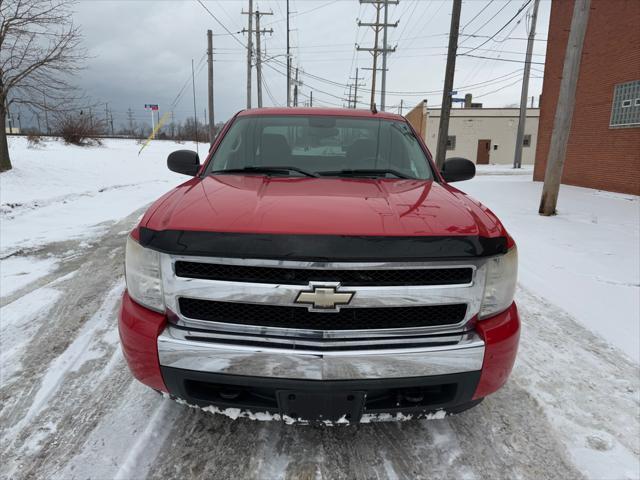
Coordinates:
(70,409)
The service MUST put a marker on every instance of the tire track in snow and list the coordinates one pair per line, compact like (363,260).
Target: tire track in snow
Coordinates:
(147,444)
(77,354)
(69,401)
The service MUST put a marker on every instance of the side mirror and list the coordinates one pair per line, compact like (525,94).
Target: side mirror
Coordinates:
(184,161)
(457,169)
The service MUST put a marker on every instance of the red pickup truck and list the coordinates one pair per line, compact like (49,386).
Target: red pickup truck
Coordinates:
(317,267)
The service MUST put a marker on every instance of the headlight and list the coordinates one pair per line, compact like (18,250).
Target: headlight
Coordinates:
(500,285)
(142,273)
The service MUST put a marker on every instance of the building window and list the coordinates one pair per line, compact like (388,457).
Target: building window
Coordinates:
(451,142)
(526,141)
(625,108)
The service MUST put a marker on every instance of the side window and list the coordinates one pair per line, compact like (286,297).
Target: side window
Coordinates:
(625,106)
(451,142)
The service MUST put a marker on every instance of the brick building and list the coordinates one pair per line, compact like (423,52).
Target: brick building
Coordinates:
(603,151)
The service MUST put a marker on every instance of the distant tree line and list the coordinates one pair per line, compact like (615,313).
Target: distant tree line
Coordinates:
(81,128)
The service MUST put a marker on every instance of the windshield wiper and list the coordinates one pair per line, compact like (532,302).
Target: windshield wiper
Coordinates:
(364,172)
(271,169)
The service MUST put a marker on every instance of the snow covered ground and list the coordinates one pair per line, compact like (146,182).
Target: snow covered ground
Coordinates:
(69,408)
(59,192)
(586,259)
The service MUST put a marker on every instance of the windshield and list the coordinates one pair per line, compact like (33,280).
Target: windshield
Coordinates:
(323,145)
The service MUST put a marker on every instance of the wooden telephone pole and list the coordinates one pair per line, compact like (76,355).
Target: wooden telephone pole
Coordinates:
(259,33)
(564,108)
(447,92)
(212,127)
(249,50)
(517,158)
(288,61)
(376,50)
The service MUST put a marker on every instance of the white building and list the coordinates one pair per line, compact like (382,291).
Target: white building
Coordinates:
(483,135)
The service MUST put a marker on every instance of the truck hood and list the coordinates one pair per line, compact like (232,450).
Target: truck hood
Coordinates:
(321,206)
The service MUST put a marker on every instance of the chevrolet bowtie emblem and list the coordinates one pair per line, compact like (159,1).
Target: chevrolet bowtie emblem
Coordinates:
(324,297)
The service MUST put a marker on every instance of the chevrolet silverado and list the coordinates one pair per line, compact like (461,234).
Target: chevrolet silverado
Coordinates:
(317,267)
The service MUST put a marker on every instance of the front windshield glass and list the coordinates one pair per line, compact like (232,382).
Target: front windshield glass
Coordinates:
(326,145)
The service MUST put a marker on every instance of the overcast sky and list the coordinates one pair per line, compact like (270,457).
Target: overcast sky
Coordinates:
(142,50)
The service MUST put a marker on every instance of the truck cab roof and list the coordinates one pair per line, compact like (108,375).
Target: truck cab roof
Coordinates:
(316,111)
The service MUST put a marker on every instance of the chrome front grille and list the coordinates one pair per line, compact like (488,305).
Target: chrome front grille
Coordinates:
(213,296)
(297,276)
(346,319)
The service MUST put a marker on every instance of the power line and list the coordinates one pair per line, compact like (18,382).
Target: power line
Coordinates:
(506,4)
(304,12)
(186,83)
(476,16)
(233,35)
(499,89)
(502,28)
(314,87)
(398,92)
(499,59)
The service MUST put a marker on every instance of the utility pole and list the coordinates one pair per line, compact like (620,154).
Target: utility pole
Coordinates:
(349,97)
(46,113)
(249,50)
(295,90)
(310,100)
(19,123)
(212,128)
(106,116)
(355,93)
(401,106)
(564,108)
(524,94)
(356,84)
(385,50)
(195,115)
(288,61)
(258,56)
(376,50)
(130,119)
(259,33)
(447,92)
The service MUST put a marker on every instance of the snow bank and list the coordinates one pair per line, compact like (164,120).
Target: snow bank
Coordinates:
(60,192)
(585,260)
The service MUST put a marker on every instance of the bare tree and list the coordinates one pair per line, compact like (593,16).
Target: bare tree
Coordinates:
(39,50)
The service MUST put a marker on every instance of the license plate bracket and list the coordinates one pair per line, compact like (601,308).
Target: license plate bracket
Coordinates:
(321,406)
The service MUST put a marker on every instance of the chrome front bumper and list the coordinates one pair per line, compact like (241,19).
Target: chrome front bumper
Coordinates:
(177,349)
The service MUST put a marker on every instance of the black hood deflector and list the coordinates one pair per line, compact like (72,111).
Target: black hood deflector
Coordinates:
(320,248)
